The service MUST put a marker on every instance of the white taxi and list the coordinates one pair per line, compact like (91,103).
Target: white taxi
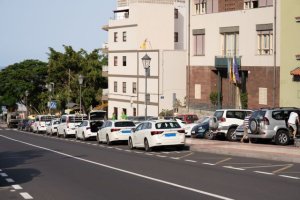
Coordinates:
(115,130)
(151,134)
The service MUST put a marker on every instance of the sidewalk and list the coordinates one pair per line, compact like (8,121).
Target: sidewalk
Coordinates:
(263,151)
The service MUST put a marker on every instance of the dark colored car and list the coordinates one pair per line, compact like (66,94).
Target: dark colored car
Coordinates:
(205,127)
(22,124)
(28,126)
(13,123)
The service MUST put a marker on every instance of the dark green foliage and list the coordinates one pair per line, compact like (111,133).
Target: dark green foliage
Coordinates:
(244,100)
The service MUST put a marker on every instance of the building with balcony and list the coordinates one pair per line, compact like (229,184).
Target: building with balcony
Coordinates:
(156,28)
(232,54)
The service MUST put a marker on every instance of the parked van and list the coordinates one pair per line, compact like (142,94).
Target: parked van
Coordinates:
(68,124)
(41,122)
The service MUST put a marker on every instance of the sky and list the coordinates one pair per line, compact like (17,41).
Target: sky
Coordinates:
(29,27)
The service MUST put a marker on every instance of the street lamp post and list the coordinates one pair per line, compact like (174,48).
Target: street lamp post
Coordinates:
(80,80)
(146,63)
(26,95)
(50,87)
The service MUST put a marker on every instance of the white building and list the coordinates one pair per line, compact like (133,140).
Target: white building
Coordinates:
(156,28)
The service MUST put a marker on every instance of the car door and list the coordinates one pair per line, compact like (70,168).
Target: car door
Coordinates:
(137,135)
(103,131)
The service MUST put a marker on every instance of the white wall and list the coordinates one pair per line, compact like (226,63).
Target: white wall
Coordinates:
(247,21)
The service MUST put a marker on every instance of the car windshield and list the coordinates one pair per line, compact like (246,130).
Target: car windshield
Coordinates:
(167,125)
(204,120)
(124,124)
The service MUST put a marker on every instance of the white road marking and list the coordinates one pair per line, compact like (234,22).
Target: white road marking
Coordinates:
(119,149)
(211,164)
(138,152)
(128,150)
(236,168)
(25,195)
(292,177)
(9,180)
(267,173)
(174,158)
(0,170)
(193,161)
(124,171)
(94,144)
(110,147)
(226,159)
(161,156)
(17,187)
(149,154)
(266,166)
(3,175)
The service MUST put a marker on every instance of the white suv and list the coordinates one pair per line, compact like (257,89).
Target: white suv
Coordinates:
(68,124)
(229,120)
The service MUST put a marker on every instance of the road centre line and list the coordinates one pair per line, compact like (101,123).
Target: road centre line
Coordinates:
(291,177)
(211,164)
(25,195)
(193,161)
(236,168)
(124,171)
(260,172)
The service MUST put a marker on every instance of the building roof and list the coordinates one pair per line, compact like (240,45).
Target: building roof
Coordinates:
(296,71)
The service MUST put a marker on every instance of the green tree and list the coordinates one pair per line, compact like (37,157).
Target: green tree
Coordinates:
(64,69)
(27,75)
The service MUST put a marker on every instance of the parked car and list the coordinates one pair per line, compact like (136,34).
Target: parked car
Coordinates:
(239,132)
(68,123)
(52,127)
(22,124)
(88,129)
(41,122)
(13,123)
(151,134)
(205,128)
(115,130)
(229,120)
(187,127)
(271,124)
(188,118)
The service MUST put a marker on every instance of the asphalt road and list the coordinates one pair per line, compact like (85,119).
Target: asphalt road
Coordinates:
(42,167)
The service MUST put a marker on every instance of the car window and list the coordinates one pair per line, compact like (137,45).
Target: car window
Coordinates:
(259,114)
(218,114)
(76,119)
(124,124)
(239,114)
(46,118)
(139,127)
(278,115)
(167,125)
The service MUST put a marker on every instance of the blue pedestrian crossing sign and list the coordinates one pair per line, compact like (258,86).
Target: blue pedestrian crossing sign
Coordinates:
(53,105)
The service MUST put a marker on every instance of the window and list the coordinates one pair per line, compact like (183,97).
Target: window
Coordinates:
(124,61)
(134,87)
(124,36)
(230,44)
(263,96)
(115,60)
(124,87)
(176,13)
(248,4)
(115,36)
(115,86)
(265,42)
(200,6)
(199,43)
(197,91)
(134,111)
(176,37)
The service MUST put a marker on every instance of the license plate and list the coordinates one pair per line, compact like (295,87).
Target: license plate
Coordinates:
(170,135)
(126,131)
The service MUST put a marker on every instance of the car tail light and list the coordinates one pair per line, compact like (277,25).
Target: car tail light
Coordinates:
(181,131)
(266,121)
(156,132)
(222,119)
(115,129)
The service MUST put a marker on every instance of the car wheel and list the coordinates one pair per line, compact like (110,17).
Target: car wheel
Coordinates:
(130,144)
(282,137)
(108,142)
(230,134)
(209,135)
(147,147)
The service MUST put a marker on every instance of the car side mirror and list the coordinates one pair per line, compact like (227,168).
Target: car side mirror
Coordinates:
(133,130)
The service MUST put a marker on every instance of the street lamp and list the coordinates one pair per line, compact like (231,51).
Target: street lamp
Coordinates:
(80,80)
(146,63)
(26,95)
